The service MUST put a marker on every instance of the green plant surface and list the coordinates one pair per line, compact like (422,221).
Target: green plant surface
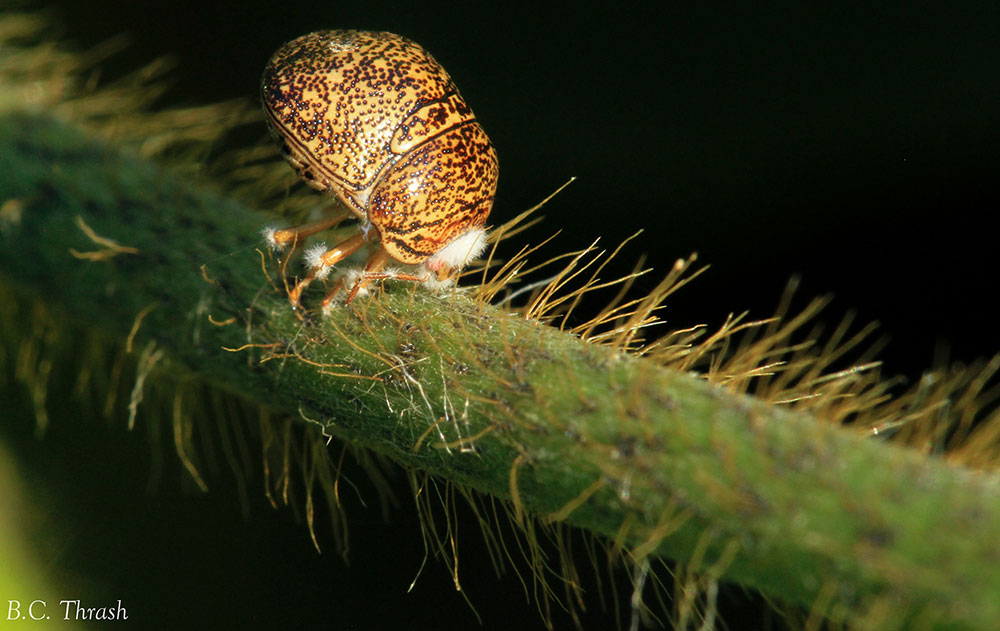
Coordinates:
(660,461)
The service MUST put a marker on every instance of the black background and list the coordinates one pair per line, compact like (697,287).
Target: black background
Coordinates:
(856,148)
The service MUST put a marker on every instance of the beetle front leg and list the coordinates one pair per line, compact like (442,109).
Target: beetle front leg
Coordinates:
(280,238)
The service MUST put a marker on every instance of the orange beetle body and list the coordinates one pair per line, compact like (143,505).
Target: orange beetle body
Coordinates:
(373,119)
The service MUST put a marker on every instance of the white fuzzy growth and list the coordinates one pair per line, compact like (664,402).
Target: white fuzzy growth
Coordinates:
(432,283)
(329,308)
(312,258)
(351,277)
(459,252)
(272,243)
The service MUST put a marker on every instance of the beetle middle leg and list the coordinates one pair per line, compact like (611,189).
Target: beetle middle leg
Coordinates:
(320,263)
(374,270)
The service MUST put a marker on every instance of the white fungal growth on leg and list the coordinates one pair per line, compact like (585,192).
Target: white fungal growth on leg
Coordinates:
(269,237)
(312,258)
(351,277)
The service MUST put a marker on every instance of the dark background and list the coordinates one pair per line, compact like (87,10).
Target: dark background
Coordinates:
(856,148)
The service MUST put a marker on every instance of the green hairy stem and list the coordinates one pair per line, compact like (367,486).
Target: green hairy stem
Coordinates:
(663,463)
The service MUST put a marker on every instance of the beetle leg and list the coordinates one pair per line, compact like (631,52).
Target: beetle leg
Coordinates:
(387,275)
(374,270)
(321,263)
(281,238)
(443,272)
(337,287)
(375,264)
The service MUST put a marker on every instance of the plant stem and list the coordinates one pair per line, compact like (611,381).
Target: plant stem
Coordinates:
(662,462)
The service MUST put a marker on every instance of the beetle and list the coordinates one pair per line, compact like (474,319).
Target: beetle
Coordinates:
(373,119)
